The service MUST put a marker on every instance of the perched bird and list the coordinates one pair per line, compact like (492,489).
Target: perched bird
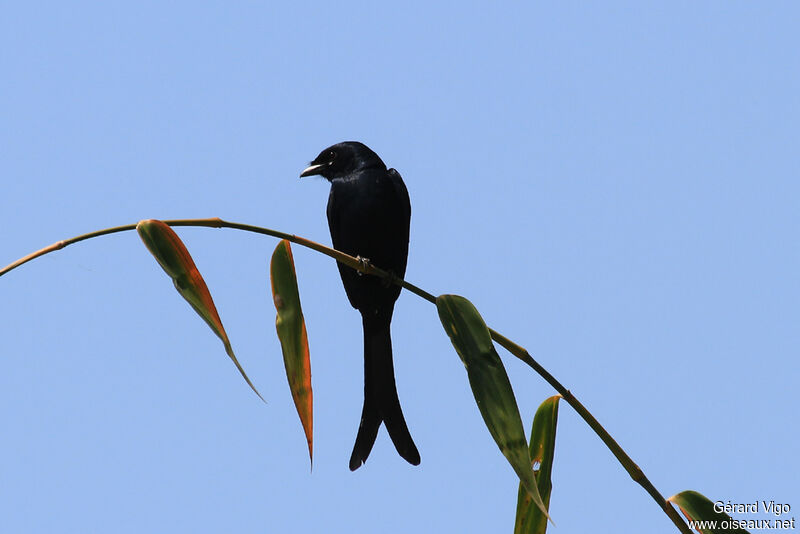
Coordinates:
(369,214)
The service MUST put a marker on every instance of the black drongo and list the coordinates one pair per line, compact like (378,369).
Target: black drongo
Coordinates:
(369,214)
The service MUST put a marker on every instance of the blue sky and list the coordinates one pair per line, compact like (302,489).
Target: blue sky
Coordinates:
(613,185)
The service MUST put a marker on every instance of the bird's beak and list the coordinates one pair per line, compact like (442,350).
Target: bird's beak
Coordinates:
(313,169)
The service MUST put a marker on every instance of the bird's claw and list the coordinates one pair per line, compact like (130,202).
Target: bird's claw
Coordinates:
(364,265)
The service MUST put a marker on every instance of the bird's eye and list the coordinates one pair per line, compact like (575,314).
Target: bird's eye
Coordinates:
(332,155)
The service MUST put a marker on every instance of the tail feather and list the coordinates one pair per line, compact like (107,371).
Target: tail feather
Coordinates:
(381,403)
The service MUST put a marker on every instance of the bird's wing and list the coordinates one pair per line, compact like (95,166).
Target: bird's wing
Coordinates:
(403,224)
(402,192)
(342,236)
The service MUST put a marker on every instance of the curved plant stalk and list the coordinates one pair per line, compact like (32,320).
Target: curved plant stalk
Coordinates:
(627,463)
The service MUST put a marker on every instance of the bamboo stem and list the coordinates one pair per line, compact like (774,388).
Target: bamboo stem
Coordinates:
(619,453)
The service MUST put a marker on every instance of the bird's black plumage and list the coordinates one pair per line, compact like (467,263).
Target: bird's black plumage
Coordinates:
(369,214)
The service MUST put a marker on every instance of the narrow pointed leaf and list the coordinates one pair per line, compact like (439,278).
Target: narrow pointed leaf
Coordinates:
(292,333)
(171,254)
(490,385)
(698,508)
(530,519)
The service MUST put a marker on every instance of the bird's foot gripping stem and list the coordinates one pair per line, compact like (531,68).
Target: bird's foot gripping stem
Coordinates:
(365,263)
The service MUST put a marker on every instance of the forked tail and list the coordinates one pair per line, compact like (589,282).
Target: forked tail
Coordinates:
(380,395)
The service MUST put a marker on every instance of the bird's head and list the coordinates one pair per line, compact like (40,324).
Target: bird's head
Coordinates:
(342,159)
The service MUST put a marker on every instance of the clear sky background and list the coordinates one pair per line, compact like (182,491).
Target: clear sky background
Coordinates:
(614,185)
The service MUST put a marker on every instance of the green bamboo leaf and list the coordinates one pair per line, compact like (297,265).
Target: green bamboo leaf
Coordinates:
(170,252)
(530,519)
(490,385)
(292,333)
(698,508)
